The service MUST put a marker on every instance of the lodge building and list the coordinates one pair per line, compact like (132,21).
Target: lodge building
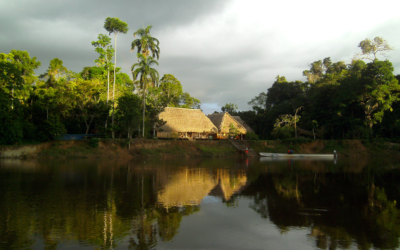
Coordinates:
(193,124)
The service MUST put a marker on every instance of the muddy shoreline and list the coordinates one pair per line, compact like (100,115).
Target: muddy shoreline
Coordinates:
(124,149)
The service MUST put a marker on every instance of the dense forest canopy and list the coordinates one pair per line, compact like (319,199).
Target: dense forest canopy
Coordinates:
(357,100)
(98,100)
(338,101)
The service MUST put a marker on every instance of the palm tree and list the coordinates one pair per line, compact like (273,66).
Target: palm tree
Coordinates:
(146,43)
(147,75)
(114,25)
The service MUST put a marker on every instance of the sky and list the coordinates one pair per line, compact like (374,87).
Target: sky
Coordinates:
(222,51)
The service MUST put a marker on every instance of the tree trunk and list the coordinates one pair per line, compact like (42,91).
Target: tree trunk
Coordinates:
(88,125)
(108,87)
(12,98)
(144,107)
(115,65)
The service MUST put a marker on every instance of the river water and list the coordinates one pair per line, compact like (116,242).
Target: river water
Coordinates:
(200,204)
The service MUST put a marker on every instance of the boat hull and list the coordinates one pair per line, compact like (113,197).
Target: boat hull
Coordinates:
(297,155)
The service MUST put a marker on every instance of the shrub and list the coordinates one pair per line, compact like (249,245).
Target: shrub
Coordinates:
(252,136)
(94,142)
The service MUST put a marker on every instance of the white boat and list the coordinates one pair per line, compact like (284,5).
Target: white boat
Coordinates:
(278,155)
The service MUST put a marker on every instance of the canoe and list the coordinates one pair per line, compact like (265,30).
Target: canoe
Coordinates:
(297,155)
(307,159)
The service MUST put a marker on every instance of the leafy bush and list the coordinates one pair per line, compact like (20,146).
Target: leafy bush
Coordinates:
(282,132)
(252,136)
(94,142)
(296,140)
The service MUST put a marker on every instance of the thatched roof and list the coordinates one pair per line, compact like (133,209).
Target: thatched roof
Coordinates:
(244,124)
(223,121)
(186,120)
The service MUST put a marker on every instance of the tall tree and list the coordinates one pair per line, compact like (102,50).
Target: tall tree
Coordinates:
(146,43)
(85,96)
(115,25)
(259,102)
(105,51)
(171,90)
(189,102)
(371,49)
(230,108)
(129,112)
(378,91)
(147,75)
(55,71)
(26,64)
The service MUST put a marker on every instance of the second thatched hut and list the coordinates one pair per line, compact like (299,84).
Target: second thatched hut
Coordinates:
(227,125)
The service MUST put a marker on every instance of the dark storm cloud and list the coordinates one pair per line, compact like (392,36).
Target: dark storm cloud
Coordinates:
(64,29)
(221,51)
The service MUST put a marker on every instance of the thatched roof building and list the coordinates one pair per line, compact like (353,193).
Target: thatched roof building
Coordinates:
(180,120)
(243,123)
(223,121)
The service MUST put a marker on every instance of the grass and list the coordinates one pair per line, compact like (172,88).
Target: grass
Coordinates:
(76,151)
(174,150)
(216,150)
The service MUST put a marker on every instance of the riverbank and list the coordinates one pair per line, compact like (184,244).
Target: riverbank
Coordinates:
(139,148)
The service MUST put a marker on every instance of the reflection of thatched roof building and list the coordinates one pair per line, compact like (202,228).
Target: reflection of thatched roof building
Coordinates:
(185,123)
(190,186)
(185,188)
(243,123)
(223,122)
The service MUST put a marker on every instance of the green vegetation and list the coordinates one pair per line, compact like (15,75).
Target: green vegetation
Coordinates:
(359,100)
(81,150)
(40,108)
(94,142)
(217,150)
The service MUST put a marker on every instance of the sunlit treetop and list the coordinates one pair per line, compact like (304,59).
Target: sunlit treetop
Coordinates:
(371,49)
(115,25)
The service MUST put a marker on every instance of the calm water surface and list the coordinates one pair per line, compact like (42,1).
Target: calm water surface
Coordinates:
(200,204)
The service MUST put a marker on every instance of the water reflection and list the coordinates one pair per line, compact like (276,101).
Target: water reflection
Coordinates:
(188,186)
(141,205)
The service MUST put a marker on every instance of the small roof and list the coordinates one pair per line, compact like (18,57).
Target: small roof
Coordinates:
(244,124)
(186,120)
(223,121)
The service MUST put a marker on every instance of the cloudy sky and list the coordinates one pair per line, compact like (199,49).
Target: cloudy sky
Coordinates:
(222,51)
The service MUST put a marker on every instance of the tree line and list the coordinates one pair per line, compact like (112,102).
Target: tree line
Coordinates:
(98,100)
(358,100)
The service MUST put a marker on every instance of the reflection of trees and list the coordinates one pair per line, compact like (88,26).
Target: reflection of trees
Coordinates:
(339,208)
(384,217)
(331,237)
(101,204)
(276,205)
(157,224)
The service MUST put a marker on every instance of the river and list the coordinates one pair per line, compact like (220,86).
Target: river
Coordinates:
(200,204)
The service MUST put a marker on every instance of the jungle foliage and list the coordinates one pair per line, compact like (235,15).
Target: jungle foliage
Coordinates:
(358,100)
(41,108)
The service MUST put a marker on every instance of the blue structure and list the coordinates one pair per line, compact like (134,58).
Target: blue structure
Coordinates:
(75,137)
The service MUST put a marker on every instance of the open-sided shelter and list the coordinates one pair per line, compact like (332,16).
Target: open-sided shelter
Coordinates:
(186,124)
(226,124)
